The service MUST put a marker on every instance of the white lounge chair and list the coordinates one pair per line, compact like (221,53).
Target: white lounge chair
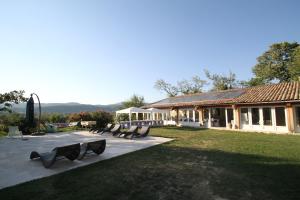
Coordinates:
(14,132)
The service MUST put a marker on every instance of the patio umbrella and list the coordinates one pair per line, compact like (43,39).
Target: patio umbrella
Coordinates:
(30,113)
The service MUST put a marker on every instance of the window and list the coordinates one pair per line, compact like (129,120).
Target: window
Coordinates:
(229,115)
(196,116)
(297,116)
(244,116)
(255,116)
(267,116)
(280,116)
(218,118)
(190,116)
(206,114)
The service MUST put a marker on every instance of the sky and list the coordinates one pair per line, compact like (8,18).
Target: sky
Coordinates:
(103,52)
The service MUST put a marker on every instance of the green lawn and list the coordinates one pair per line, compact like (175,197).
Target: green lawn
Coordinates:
(2,133)
(199,164)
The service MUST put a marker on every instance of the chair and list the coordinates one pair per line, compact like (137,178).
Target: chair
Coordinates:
(144,131)
(132,130)
(106,129)
(115,130)
(93,129)
(13,131)
(48,159)
(96,147)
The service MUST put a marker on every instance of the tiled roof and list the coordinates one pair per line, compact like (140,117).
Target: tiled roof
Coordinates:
(271,93)
(282,92)
(207,98)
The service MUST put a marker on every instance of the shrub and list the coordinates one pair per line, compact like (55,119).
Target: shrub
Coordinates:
(102,118)
(122,117)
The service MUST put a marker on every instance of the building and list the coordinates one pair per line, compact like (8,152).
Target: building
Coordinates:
(268,108)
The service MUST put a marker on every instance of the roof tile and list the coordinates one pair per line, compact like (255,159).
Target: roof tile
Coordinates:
(266,93)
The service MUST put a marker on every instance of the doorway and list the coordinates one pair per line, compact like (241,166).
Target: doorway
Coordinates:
(230,121)
(218,118)
(297,119)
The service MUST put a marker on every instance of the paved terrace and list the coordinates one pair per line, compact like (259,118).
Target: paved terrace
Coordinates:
(16,167)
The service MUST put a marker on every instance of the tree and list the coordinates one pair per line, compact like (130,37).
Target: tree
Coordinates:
(192,86)
(166,87)
(276,64)
(54,118)
(252,82)
(74,117)
(295,67)
(7,99)
(222,82)
(102,118)
(134,101)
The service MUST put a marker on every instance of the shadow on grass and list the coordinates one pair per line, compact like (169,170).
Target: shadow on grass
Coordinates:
(183,128)
(168,172)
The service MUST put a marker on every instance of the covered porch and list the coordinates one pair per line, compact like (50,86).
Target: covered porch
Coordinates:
(205,117)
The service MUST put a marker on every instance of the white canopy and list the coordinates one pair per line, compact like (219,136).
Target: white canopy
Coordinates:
(133,110)
(155,110)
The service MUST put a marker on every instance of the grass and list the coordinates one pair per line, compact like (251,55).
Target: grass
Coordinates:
(198,164)
(2,133)
(69,129)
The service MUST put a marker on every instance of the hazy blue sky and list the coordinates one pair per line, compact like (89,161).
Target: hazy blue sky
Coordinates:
(102,52)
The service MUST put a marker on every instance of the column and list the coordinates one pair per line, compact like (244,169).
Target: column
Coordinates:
(209,117)
(290,118)
(236,112)
(194,116)
(201,114)
(177,116)
(261,118)
(226,118)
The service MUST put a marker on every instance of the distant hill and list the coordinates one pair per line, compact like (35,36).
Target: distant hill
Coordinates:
(68,107)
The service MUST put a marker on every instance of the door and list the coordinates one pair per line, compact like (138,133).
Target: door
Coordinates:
(230,121)
(297,119)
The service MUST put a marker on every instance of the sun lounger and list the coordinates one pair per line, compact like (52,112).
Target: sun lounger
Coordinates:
(115,130)
(93,129)
(144,131)
(48,159)
(96,147)
(106,129)
(132,130)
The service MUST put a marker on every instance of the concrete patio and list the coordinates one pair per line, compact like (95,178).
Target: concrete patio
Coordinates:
(16,167)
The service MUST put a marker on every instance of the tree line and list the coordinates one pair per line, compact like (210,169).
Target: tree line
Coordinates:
(280,63)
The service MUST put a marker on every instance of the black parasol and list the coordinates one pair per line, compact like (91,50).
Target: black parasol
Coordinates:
(30,113)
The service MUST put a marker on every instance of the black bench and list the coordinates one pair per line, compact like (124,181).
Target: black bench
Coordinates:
(96,147)
(70,152)
(142,133)
(132,130)
(106,129)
